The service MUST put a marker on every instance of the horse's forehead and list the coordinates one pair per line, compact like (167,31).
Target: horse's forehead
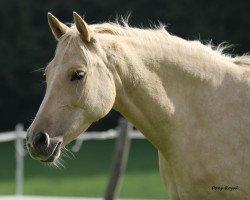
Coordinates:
(67,53)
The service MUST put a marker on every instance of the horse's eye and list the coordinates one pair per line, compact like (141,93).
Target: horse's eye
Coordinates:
(77,75)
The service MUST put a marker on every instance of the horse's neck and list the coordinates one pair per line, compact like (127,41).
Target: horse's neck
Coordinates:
(152,79)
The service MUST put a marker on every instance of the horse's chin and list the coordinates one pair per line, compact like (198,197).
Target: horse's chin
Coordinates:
(71,136)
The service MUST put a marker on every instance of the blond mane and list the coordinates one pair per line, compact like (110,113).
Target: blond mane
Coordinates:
(123,29)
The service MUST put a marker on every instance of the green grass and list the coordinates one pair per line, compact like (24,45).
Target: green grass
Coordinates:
(87,174)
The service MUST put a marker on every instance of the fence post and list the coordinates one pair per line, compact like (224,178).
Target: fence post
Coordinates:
(19,159)
(119,160)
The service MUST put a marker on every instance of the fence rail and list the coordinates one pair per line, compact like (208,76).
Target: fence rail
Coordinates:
(123,134)
(93,135)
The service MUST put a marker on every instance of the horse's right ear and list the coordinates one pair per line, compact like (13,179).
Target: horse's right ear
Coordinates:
(57,27)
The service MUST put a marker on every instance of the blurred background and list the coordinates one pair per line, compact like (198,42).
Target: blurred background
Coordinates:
(27,45)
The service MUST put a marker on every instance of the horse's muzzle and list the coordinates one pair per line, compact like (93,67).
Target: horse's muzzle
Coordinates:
(43,148)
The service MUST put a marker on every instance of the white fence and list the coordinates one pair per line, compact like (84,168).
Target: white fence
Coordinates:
(123,134)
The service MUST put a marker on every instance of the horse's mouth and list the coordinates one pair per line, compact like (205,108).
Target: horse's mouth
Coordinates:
(55,154)
(48,155)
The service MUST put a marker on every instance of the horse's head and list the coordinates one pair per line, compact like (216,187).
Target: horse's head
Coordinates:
(80,90)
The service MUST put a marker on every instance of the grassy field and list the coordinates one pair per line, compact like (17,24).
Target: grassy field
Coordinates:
(86,174)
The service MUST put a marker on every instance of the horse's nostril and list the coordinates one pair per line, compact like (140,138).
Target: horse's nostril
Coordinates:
(41,141)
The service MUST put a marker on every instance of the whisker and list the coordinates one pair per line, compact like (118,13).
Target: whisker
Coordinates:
(59,163)
(41,69)
(51,164)
(54,165)
(68,153)
(46,164)
(25,146)
(65,155)
(43,83)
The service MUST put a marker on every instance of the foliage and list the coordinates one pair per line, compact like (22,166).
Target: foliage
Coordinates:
(27,44)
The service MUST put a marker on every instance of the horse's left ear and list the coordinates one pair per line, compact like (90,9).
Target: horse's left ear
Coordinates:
(83,28)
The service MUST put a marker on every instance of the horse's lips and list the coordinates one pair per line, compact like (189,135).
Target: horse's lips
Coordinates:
(53,155)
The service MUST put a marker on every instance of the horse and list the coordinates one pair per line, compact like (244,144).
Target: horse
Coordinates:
(190,100)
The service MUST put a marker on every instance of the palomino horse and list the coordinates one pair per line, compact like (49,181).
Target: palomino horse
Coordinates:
(191,102)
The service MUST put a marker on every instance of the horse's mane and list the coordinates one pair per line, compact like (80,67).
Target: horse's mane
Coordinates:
(123,29)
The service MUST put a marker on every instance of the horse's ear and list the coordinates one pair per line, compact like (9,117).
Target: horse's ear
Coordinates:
(83,28)
(57,27)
